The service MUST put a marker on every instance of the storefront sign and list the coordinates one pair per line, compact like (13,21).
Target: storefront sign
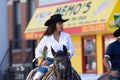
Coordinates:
(114,20)
(84,16)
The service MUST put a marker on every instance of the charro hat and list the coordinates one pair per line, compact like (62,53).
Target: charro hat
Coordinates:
(55,18)
(117,33)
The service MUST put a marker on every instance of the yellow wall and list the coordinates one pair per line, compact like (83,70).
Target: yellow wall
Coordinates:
(77,58)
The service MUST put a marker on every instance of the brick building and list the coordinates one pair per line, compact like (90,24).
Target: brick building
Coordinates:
(19,15)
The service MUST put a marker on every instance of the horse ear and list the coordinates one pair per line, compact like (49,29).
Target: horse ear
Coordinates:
(64,49)
(53,52)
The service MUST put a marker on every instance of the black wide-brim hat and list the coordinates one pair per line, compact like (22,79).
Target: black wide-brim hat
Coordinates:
(54,19)
(117,33)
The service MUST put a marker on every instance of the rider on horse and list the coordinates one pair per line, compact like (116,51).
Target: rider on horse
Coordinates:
(53,37)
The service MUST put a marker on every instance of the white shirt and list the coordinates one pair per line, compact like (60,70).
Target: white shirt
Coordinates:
(49,42)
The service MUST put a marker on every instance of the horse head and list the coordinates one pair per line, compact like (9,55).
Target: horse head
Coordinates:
(62,64)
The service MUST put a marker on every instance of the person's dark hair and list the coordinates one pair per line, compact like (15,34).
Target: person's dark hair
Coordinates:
(50,29)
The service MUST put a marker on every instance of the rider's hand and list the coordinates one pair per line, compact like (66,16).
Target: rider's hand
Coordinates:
(114,73)
(44,63)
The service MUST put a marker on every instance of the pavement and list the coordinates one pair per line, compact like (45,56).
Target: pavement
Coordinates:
(89,76)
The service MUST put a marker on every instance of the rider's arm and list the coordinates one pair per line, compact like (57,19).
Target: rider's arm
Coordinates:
(40,47)
(106,64)
(109,68)
(107,56)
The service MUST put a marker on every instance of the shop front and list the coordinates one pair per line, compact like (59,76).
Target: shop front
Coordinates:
(91,24)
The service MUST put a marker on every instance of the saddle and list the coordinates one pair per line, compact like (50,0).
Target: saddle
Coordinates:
(50,69)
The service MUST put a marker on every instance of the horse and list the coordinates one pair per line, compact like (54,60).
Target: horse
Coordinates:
(61,68)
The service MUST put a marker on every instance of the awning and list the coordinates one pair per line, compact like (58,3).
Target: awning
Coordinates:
(84,16)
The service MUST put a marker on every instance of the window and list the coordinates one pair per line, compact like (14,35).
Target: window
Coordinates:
(17,26)
(89,46)
(31,9)
(89,54)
